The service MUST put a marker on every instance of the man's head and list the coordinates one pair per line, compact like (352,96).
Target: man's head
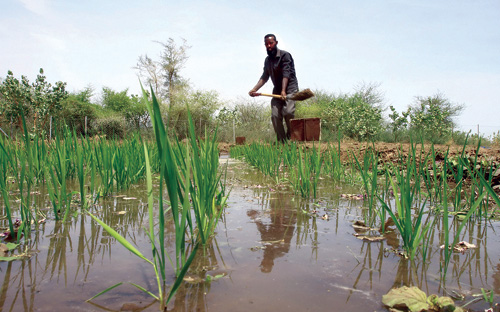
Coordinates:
(271,44)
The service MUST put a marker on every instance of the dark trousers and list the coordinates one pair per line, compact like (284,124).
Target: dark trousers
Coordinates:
(282,110)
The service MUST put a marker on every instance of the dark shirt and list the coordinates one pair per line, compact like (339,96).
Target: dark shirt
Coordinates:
(279,67)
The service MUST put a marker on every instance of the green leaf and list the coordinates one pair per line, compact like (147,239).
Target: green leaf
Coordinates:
(120,239)
(145,290)
(104,291)
(410,297)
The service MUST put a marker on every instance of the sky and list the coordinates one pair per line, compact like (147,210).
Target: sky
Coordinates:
(407,48)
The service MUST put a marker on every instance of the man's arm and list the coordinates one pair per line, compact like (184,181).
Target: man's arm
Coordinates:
(284,84)
(259,84)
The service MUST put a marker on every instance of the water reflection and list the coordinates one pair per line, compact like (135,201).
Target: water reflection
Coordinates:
(320,262)
(276,226)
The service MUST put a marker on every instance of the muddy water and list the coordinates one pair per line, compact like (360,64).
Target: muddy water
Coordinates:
(273,251)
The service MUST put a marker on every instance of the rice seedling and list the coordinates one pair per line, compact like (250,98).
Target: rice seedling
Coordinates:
(205,183)
(334,166)
(175,173)
(430,178)
(57,188)
(316,161)
(370,161)
(5,163)
(411,230)
(104,160)
(489,190)
(25,175)
(300,178)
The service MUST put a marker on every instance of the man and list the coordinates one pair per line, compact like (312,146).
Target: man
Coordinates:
(279,66)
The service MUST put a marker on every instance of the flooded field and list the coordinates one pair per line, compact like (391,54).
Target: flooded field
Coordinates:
(273,251)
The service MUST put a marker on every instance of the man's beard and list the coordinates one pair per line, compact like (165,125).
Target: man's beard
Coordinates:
(272,53)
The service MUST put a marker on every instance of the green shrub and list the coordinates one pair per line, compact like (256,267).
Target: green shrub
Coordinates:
(75,111)
(113,126)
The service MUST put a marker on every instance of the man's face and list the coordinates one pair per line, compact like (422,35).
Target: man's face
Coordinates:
(271,47)
(270,43)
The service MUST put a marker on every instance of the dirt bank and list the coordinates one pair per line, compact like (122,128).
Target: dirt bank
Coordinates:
(392,151)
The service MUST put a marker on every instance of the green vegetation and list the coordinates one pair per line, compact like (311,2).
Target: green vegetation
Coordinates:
(413,186)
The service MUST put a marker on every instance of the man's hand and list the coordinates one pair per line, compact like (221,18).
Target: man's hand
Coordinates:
(253,93)
(283,95)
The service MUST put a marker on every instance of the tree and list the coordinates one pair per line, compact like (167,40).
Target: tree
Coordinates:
(202,105)
(432,117)
(398,122)
(164,75)
(129,107)
(37,101)
(78,113)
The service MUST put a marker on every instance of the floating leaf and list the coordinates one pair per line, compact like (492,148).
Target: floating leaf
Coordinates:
(370,238)
(7,247)
(406,297)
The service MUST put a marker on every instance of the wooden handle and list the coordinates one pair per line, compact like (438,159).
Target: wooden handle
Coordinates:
(277,96)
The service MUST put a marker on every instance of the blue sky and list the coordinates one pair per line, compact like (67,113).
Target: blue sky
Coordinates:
(411,48)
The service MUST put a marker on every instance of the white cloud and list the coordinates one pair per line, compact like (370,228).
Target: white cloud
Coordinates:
(39,7)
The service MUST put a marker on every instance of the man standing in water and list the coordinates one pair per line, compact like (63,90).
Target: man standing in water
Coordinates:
(280,67)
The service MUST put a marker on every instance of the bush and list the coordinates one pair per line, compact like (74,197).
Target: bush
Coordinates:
(354,117)
(113,126)
(432,117)
(251,119)
(73,114)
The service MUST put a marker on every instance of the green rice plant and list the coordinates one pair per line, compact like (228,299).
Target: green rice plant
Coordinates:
(488,296)
(300,177)
(176,175)
(370,161)
(448,248)
(205,183)
(316,161)
(57,186)
(411,230)
(78,148)
(476,170)
(5,163)
(430,177)
(104,159)
(25,175)
(489,190)
(334,166)
(268,159)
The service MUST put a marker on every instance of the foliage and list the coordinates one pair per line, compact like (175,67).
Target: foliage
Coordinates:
(357,115)
(250,119)
(76,110)
(398,122)
(432,117)
(202,105)
(112,126)
(130,107)
(354,117)
(36,101)
(164,75)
